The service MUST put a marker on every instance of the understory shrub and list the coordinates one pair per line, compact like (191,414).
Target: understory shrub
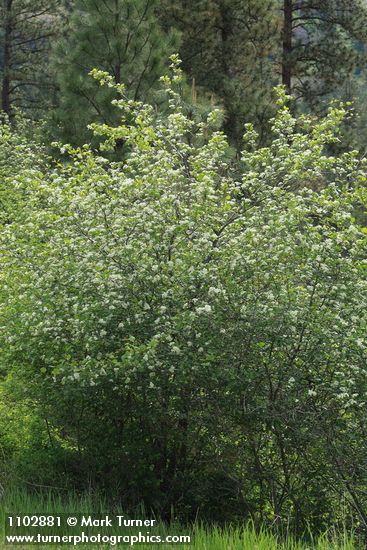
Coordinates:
(194,332)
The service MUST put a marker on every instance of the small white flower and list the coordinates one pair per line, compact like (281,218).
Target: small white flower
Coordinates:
(204,309)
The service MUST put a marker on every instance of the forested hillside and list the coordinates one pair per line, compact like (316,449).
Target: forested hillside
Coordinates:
(183,264)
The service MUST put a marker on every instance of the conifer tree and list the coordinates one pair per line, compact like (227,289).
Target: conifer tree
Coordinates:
(26,28)
(322,45)
(240,50)
(118,36)
(227,47)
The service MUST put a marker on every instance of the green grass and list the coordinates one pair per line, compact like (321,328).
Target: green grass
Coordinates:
(202,537)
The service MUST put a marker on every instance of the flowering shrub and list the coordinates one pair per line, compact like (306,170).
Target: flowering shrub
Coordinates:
(192,334)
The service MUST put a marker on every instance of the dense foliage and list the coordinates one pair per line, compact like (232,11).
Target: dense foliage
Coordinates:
(233,54)
(184,330)
(26,32)
(119,36)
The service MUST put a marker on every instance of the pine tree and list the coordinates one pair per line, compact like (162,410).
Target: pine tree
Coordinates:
(118,36)
(240,50)
(227,47)
(322,45)
(26,28)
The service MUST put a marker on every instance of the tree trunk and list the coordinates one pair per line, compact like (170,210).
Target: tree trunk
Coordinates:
(287,45)
(5,85)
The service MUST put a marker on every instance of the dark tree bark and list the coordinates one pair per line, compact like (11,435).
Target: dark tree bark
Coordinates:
(5,85)
(287,45)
